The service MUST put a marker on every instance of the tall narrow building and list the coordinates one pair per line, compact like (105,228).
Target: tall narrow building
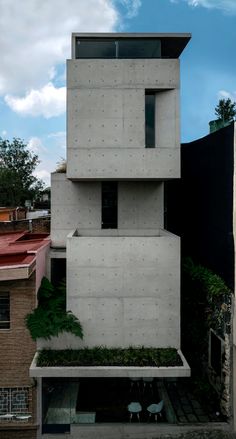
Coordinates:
(122,266)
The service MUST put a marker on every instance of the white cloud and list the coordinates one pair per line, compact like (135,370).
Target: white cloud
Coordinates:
(48,101)
(223,94)
(132,7)
(35,145)
(60,138)
(3,133)
(36,36)
(44,175)
(40,41)
(228,6)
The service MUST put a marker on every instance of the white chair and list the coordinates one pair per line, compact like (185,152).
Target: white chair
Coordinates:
(155,409)
(134,408)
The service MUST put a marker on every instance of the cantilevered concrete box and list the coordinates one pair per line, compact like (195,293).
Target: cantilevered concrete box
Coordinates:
(126,289)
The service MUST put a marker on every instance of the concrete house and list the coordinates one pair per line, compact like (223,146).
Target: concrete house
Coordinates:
(122,266)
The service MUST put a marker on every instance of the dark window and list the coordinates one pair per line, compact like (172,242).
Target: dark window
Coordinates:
(118,48)
(139,48)
(150,120)
(95,49)
(4,310)
(109,205)
(58,270)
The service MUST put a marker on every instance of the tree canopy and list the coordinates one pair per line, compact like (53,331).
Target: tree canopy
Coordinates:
(226,110)
(17,182)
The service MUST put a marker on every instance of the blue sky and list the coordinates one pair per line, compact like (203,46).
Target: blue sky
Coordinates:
(35,41)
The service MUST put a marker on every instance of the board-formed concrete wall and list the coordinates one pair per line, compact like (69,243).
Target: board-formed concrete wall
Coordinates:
(78,205)
(125,290)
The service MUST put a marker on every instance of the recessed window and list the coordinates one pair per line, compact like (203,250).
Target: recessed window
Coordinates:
(4,310)
(130,48)
(150,119)
(58,270)
(109,205)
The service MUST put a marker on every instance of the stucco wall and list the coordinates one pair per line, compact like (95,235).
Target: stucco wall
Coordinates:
(125,290)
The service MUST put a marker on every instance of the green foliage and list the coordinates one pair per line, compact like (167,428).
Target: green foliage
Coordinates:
(226,110)
(50,317)
(17,165)
(213,285)
(103,356)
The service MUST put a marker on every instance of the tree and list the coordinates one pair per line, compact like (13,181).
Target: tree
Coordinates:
(226,110)
(17,182)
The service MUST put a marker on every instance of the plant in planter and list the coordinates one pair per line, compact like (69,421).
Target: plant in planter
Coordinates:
(103,356)
(50,317)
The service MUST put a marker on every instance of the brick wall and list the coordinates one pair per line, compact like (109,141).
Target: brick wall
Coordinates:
(18,433)
(38,225)
(17,347)
(17,350)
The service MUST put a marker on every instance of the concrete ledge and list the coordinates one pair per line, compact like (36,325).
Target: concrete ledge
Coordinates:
(110,371)
(123,163)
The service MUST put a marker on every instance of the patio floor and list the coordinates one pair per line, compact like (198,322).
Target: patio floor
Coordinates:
(106,401)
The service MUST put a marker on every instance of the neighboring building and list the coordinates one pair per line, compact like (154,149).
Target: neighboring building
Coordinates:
(22,265)
(204,202)
(12,213)
(123,268)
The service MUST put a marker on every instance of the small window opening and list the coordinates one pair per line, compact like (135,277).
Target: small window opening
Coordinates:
(4,311)
(109,205)
(150,119)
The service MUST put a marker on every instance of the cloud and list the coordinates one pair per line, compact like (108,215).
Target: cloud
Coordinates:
(48,101)
(41,42)
(35,145)
(44,175)
(41,36)
(132,7)
(223,94)
(228,6)
(59,139)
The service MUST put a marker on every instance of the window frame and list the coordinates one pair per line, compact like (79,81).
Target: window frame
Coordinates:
(117,49)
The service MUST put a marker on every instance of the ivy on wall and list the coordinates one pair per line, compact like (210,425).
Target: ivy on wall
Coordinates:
(206,304)
(217,296)
(50,317)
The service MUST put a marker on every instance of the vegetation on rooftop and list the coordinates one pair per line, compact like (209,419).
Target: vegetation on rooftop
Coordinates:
(61,166)
(103,356)
(50,317)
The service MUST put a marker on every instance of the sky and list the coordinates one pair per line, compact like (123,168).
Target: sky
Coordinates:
(35,41)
